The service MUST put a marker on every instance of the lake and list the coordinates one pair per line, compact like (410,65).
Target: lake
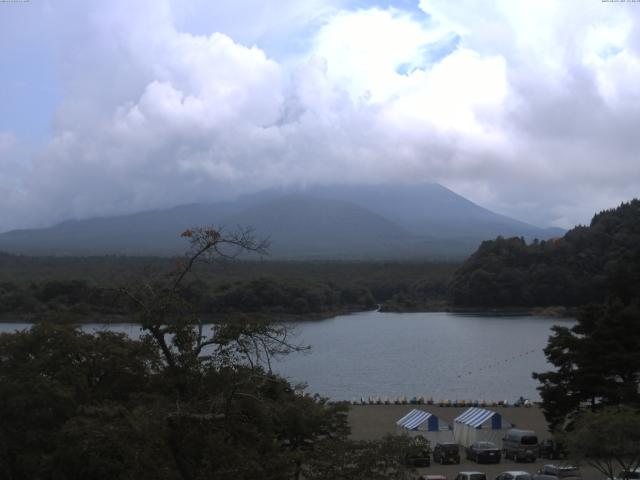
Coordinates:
(439,355)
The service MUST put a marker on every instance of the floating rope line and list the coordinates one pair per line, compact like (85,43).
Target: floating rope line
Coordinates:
(497,364)
(403,400)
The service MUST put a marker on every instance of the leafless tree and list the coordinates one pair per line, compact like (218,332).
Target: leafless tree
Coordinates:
(177,328)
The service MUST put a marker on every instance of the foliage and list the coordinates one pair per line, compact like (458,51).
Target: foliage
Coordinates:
(181,402)
(572,271)
(361,460)
(597,361)
(608,440)
(80,289)
(48,375)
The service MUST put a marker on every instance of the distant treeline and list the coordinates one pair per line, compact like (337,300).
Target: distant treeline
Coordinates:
(77,288)
(577,269)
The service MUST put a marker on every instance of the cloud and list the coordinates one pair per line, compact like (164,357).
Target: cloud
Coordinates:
(525,110)
(571,104)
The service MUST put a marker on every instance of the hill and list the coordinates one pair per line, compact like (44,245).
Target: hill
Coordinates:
(354,222)
(435,211)
(582,267)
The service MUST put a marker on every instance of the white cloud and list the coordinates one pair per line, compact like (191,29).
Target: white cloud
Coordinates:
(571,101)
(365,49)
(535,106)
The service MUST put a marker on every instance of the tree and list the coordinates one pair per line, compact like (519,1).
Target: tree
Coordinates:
(185,401)
(572,271)
(608,440)
(597,361)
(235,417)
(49,376)
(361,460)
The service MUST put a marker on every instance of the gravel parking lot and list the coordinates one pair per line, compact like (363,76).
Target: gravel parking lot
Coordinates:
(492,470)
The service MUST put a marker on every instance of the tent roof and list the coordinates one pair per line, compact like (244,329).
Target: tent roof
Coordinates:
(414,419)
(474,417)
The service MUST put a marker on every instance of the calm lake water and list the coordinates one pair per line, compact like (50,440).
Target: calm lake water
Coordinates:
(439,355)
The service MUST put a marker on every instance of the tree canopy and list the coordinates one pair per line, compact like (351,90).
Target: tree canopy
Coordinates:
(184,401)
(597,363)
(608,440)
(572,271)
(597,360)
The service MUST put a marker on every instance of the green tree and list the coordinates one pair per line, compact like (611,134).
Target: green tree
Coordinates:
(185,401)
(573,271)
(361,460)
(48,375)
(608,440)
(597,363)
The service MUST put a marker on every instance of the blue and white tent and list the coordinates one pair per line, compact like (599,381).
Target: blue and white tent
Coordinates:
(418,422)
(478,424)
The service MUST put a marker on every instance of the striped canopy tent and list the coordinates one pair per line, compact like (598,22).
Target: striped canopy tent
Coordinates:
(418,422)
(478,424)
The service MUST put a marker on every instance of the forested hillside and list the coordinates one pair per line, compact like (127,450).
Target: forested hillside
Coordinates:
(574,270)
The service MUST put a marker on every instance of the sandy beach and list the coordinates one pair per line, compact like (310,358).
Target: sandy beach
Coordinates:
(370,422)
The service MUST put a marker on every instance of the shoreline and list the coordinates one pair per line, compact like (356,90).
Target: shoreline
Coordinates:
(207,319)
(371,422)
(212,319)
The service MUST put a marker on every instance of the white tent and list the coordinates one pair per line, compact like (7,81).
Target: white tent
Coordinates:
(425,424)
(478,424)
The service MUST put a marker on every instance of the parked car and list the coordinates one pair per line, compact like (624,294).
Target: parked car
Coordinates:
(551,449)
(417,459)
(484,452)
(555,472)
(520,445)
(446,452)
(471,476)
(432,477)
(514,475)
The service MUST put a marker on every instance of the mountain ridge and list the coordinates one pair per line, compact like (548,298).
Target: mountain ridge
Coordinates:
(318,222)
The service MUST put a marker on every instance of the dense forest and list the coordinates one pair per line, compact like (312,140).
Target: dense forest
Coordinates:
(571,271)
(84,288)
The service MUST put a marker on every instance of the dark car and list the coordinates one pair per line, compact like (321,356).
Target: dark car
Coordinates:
(550,449)
(486,452)
(447,452)
(417,459)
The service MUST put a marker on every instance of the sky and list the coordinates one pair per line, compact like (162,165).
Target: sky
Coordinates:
(530,108)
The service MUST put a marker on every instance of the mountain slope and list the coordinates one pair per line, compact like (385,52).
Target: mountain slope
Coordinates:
(431,209)
(301,225)
(355,222)
(153,232)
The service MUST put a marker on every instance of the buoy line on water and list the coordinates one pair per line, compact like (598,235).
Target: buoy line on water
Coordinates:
(495,364)
(403,400)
